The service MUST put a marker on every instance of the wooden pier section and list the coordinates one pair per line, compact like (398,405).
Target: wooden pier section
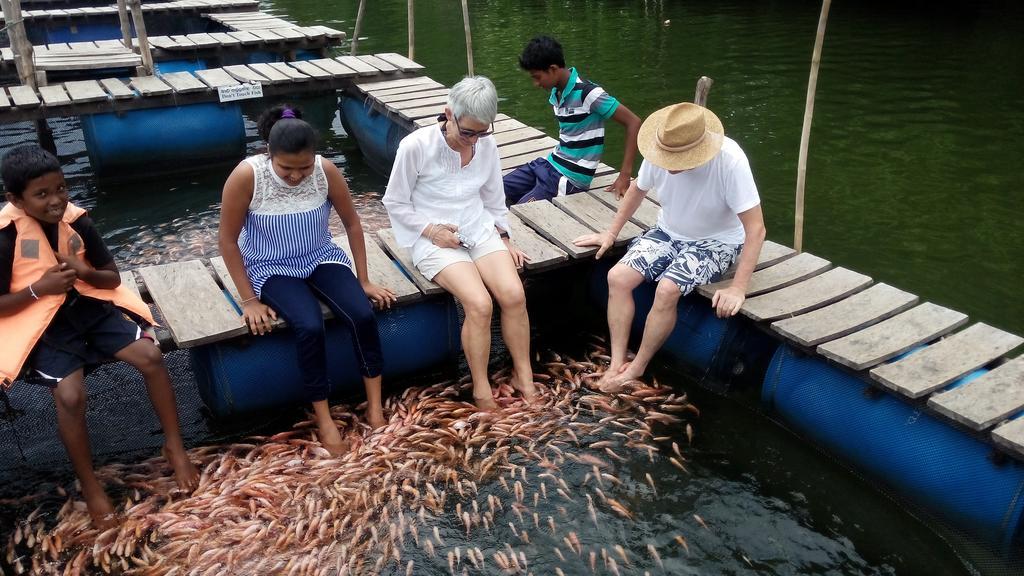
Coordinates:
(840,315)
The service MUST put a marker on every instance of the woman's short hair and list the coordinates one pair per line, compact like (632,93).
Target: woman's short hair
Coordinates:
(474,97)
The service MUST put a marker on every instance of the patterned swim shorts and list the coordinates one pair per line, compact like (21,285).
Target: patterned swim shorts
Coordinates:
(688,264)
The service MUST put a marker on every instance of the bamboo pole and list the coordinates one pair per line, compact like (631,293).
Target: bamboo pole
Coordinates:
(126,29)
(359,25)
(469,37)
(805,134)
(20,45)
(412,31)
(135,6)
(700,95)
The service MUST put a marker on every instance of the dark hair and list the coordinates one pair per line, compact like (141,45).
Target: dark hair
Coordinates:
(25,163)
(284,130)
(541,53)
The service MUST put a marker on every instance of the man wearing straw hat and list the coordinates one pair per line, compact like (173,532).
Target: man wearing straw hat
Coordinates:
(710,217)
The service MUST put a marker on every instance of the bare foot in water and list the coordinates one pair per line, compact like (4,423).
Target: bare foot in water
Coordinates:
(375,418)
(485,403)
(613,384)
(331,439)
(185,472)
(100,509)
(525,387)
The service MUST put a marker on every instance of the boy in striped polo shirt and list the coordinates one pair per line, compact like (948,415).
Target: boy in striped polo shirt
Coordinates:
(581,108)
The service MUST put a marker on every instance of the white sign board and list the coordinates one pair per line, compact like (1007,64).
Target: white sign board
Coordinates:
(240,92)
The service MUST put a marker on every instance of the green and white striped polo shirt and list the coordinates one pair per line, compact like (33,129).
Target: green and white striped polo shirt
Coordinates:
(581,112)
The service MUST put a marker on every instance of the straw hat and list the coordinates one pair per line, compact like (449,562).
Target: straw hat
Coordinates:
(680,136)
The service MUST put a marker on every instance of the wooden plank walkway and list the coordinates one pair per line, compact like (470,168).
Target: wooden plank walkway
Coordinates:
(171,7)
(104,95)
(841,315)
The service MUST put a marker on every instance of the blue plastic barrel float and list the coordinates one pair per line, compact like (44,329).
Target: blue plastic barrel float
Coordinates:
(376,134)
(164,138)
(261,372)
(926,461)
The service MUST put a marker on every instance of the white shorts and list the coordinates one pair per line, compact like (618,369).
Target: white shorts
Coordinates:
(441,258)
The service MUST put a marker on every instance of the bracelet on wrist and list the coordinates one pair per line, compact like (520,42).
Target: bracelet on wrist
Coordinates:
(33,293)
(247,300)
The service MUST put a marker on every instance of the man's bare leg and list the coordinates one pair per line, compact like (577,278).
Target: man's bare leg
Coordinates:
(660,322)
(622,280)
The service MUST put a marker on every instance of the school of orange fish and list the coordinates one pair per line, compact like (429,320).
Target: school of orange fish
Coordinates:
(431,492)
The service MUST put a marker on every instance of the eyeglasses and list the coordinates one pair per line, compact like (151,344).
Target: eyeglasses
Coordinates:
(473,133)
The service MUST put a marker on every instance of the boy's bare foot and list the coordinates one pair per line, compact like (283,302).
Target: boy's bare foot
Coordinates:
(339,448)
(375,418)
(330,438)
(100,510)
(185,472)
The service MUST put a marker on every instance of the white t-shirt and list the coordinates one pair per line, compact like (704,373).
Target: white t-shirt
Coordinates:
(703,203)
(428,185)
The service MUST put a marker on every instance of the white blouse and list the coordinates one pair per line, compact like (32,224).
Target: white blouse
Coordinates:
(428,185)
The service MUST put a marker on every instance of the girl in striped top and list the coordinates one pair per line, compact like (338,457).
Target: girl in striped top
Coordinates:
(277,246)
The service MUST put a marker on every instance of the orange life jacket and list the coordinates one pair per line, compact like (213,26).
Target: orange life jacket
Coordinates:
(32,258)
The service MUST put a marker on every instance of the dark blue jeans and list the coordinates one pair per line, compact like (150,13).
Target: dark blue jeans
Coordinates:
(538,180)
(296,300)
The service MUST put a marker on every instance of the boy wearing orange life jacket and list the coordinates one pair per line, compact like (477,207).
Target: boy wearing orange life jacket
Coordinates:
(62,309)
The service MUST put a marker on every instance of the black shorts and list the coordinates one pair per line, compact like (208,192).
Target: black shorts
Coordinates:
(71,343)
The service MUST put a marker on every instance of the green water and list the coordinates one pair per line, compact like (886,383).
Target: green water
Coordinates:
(913,179)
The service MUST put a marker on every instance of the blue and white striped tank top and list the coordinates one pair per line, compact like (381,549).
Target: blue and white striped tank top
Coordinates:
(286,231)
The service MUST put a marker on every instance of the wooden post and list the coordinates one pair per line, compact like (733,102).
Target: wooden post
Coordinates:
(126,28)
(359,25)
(135,6)
(412,32)
(469,37)
(805,134)
(700,96)
(20,45)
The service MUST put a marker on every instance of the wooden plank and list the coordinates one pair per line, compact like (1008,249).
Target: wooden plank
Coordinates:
(183,82)
(519,160)
(390,243)
(1010,436)
(23,96)
(517,135)
(984,401)
(288,32)
(310,32)
(593,213)
(215,78)
(400,62)
(403,96)
(244,36)
(266,35)
(542,254)
(811,294)
(244,74)
(555,225)
(789,271)
(328,31)
(408,90)
(310,69)
(117,88)
(951,358)
(892,337)
(646,215)
(191,303)
(203,40)
(4,102)
(273,75)
(225,39)
(163,42)
(82,91)
(771,254)
(545,144)
(382,65)
(128,281)
(337,69)
(293,74)
(419,103)
(863,309)
(425,112)
(382,270)
(149,85)
(361,67)
(54,95)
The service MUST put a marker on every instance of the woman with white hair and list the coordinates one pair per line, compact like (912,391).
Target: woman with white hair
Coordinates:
(447,207)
